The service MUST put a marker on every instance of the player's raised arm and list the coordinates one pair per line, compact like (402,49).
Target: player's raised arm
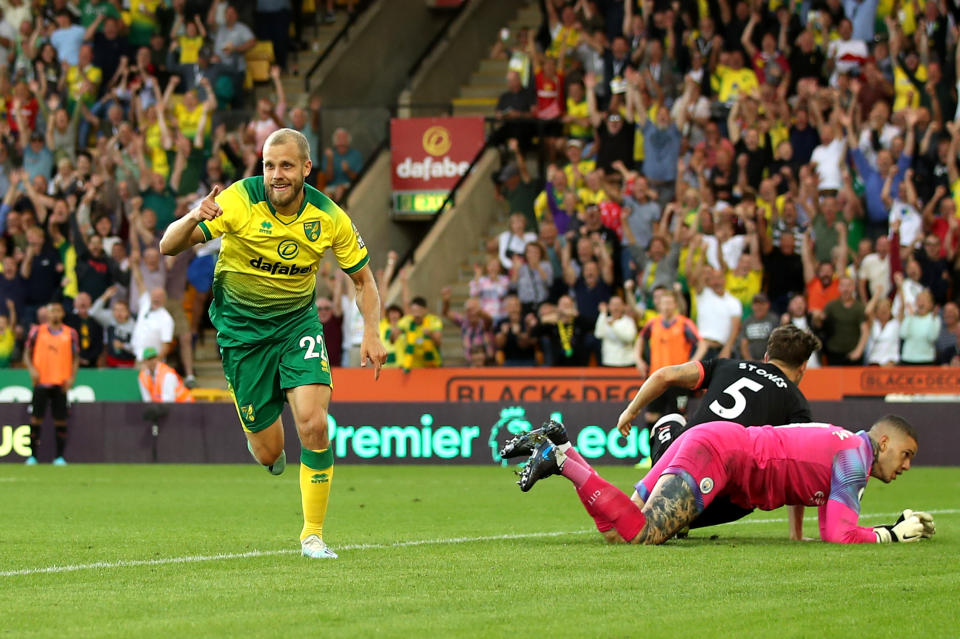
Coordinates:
(368,301)
(184,233)
(687,376)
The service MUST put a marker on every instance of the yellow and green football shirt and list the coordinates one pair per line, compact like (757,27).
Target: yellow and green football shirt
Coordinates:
(263,284)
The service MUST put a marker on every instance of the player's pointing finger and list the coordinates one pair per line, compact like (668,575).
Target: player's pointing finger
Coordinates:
(214,192)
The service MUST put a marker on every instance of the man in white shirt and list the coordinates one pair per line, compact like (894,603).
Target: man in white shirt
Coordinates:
(828,158)
(232,40)
(873,276)
(617,332)
(154,327)
(846,53)
(718,312)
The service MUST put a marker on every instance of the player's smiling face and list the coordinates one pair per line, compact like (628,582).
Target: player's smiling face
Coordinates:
(283,175)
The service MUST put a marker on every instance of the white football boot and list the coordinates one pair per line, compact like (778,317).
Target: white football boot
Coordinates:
(314,548)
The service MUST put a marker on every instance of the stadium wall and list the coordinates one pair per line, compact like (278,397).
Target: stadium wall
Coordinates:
(403,432)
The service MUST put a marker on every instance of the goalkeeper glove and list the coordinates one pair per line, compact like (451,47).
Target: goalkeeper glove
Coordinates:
(911,526)
(929,528)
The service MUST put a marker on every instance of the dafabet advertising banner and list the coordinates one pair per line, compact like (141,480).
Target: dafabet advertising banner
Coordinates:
(429,156)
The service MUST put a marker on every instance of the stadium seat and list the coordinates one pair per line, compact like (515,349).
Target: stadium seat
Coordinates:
(259,58)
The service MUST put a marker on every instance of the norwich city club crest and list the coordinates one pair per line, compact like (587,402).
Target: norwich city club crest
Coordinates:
(311,230)
(247,413)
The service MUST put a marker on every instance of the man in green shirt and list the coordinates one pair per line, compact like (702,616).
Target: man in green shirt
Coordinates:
(845,326)
(90,9)
(518,188)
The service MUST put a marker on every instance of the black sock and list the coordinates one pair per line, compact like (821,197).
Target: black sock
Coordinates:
(61,440)
(35,431)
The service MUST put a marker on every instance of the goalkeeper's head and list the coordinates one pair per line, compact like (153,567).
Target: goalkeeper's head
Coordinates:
(894,447)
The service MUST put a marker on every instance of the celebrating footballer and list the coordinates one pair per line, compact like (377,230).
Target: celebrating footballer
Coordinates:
(275,230)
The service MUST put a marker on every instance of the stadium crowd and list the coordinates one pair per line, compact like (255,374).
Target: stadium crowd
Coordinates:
(716,169)
(115,119)
(731,165)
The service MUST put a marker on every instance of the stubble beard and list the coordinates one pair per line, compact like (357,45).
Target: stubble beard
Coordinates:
(296,188)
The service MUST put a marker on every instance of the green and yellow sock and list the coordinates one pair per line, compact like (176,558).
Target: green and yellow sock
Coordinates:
(316,474)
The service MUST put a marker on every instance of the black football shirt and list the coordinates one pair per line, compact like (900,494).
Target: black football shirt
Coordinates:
(749,393)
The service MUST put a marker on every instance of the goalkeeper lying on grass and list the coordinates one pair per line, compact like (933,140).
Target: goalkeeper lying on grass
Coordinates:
(810,464)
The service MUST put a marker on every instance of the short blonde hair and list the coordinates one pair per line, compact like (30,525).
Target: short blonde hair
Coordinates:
(283,136)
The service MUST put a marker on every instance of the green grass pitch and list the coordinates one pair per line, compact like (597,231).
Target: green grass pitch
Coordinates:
(449,551)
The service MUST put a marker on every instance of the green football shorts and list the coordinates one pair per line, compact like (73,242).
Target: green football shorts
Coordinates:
(259,374)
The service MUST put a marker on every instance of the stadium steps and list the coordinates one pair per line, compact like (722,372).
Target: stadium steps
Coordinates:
(452,349)
(475,106)
(479,95)
(481,90)
(317,35)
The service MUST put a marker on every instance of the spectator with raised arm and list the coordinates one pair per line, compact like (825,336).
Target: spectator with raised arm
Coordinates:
(490,286)
(616,331)
(874,178)
(718,312)
(919,332)
(613,130)
(475,325)
(269,116)
(822,286)
(883,345)
(423,331)
(661,141)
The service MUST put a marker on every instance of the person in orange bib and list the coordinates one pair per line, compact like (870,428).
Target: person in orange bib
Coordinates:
(667,340)
(159,382)
(52,356)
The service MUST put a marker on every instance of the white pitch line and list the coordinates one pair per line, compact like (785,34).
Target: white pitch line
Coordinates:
(191,559)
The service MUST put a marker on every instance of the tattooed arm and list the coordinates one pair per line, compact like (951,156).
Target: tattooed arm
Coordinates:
(670,507)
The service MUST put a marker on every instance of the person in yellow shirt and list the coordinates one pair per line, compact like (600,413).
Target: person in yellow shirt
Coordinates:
(909,78)
(578,168)
(141,21)
(577,117)
(188,113)
(593,191)
(153,125)
(564,30)
(423,336)
(7,334)
(393,336)
(745,279)
(83,79)
(188,38)
(735,80)
(275,230)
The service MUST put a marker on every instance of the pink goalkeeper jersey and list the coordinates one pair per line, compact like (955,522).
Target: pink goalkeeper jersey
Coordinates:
(810,464)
